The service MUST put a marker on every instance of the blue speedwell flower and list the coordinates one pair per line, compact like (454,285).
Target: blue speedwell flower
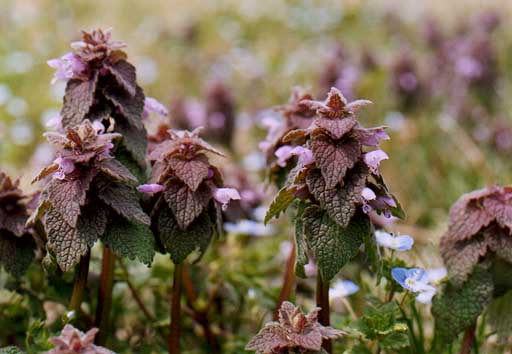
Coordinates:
(415,280)
(397,243)
(343,288)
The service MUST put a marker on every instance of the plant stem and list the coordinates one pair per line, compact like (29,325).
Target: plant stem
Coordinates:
(105,296)
(200,315)
(322,301)
(469,338)
(80,283)
(288,282)
(174,335)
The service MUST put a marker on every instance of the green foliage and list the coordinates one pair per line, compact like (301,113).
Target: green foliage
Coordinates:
(11,350)
(332,245)
(456,308)
(124,200)
(130,239)
(280,203)
(499,317)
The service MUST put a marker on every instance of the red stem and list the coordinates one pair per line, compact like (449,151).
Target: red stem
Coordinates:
(80,283)
(174,335)
(322,301)
(105,296)
(469,338)
(288,282)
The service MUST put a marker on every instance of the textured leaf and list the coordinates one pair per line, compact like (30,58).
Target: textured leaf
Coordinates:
(191,172)
(335,158)
(13,218)
(186,204)
(134,140)
(92,222)
(461,257)
(130,107)
(117,171)
(336,127)
(468,216)
(131,240)
(11,350)
(333,246)
(394,340)
(66,197)
(124,74)
(340,204)
(281,202)
(78,100)
(500,207)
(300,245)
(67,244)
(99,111)
(498,318)
(124,201)
(16,253)
(459,307)
(181,242)
(270,337)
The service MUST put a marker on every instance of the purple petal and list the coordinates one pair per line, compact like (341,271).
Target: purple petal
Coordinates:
(224,195)
(373,159)
(150,188)
(151,105)
(368,194)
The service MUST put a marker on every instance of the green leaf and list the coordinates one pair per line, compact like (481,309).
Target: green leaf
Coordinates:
(131,240)
(459,307)
(281,202)
(332,245)
(181,242)
(499,316)
(394,340)
(126,158)
(134,141)
(124,200)
(300,244)
(380,320)
(372,253)
(16,253)
(11,350)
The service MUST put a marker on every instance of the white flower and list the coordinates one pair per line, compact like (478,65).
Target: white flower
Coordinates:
(397,243)
(343,288)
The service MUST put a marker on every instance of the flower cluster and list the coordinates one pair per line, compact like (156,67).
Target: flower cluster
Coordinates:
(87,188)
(294,333)
(479,229)
(74,341)
(186,191)
(101,86)
(16,242)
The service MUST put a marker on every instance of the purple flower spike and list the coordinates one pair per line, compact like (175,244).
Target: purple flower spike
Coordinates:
(151,105)
(65,167)
(368,194)
(373,159)
(150,188)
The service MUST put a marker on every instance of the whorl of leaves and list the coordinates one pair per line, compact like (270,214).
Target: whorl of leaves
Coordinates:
(16,242)
(480,226)
(74,341)
(106,90)
(295,332)
(73,205)
(337,174)
(185,214)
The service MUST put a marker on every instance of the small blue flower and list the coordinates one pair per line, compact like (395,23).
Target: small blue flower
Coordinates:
(415,280)
(343,288)
(397,243)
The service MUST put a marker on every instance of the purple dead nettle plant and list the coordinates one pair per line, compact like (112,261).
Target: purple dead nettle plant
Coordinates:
(335,183)
(17,244)
(74,341)
(102,88)
(187,197)
(294,332)
(477,251)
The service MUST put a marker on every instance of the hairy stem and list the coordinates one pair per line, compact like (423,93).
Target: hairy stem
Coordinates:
(322,301)
(174,335)
(288,282)
(200,316)
(105,296)
(80,283)
(467,341)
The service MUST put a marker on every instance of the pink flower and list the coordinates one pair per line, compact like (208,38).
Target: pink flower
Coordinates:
(68,66)
(65,167)
(224,195)
(373,159)
(372,136)
(151,105)
(150,188)
(73,341)
(98,127)
(285,152)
